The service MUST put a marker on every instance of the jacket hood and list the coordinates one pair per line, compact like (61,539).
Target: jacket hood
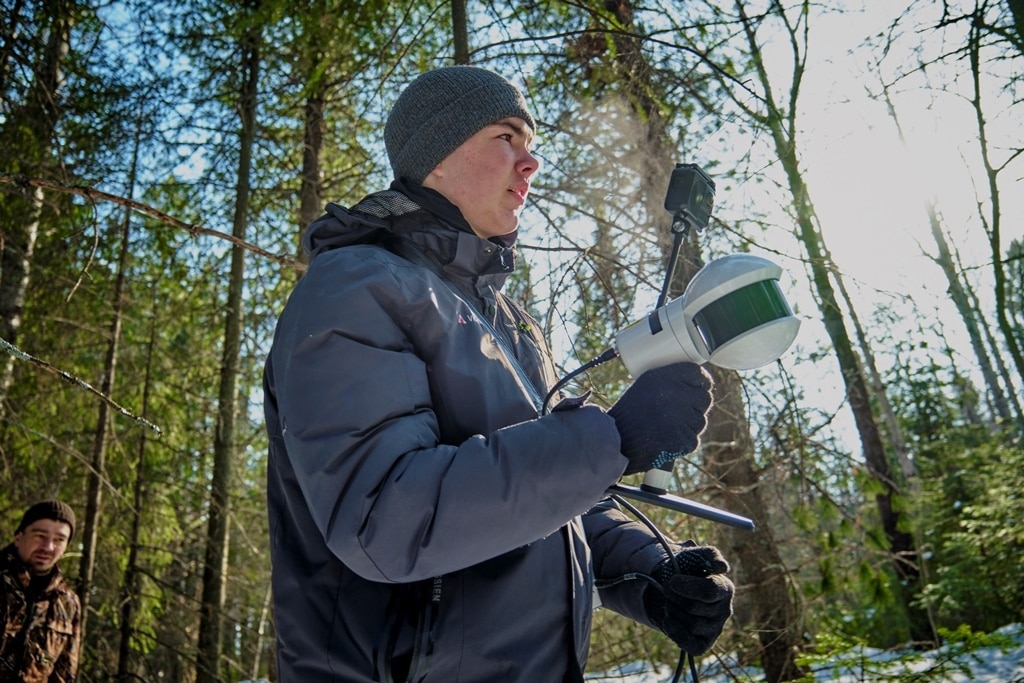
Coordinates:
(341,227)
(381,214)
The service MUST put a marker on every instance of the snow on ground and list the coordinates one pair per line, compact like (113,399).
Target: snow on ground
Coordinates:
(984,665)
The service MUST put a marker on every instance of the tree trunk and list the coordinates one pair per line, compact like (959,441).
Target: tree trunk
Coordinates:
(27,141)
(97,473)
(310,199)
(969,314)
(12,24)
(130,582)
(313,60)
(1016,8)
(993,346)
(216,559)
(957,292)
(877,388)
(994,220)
(770,608)
(460,32)
(730,464)
(97,469)
(902,549)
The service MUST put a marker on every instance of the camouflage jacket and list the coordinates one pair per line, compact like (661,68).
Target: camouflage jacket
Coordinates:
(40,640)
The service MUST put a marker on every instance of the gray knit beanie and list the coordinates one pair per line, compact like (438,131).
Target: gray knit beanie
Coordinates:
(443,108)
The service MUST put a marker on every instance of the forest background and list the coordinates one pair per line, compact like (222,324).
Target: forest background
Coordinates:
(159,161)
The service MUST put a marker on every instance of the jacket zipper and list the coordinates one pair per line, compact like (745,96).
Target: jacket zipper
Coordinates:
(507,351)
(413,253)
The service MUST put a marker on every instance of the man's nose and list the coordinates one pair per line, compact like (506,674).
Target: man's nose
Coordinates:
(528,164)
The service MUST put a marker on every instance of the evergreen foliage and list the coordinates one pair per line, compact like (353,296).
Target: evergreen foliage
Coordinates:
(139,100)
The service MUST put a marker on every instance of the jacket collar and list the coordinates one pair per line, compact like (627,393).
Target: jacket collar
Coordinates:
(424,218)
(12,563)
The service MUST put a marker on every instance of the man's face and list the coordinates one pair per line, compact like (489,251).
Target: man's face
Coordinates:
(42,543)
(488,176)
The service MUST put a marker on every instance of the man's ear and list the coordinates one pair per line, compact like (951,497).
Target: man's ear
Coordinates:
(435,176)
(438,170)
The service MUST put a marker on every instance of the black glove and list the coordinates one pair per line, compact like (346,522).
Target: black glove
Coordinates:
(661,415)
(691,605)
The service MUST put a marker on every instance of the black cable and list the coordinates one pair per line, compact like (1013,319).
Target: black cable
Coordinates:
(680,228)
(608,354)
(679,667)
(643,519)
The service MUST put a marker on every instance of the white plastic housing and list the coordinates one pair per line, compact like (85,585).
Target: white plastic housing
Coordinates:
(732,315)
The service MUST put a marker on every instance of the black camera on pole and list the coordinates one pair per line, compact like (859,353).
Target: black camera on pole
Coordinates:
(690,197)
(733,314)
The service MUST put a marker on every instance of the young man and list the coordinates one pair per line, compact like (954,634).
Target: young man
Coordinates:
(429,520)
(41,614)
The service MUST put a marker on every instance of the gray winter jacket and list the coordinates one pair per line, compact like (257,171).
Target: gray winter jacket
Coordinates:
(427,524)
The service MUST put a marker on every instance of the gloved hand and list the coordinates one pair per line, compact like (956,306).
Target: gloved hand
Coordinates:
(662,414)
(691,605)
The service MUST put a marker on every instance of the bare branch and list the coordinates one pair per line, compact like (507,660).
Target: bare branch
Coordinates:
(145,209)
(71,379)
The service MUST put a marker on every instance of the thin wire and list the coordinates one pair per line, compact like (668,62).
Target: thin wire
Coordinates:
(608,354)
(680,228)
(668,549)
(679,667)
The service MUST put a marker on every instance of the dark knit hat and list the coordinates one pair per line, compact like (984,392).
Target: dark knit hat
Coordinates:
(443,108)
(48,509)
